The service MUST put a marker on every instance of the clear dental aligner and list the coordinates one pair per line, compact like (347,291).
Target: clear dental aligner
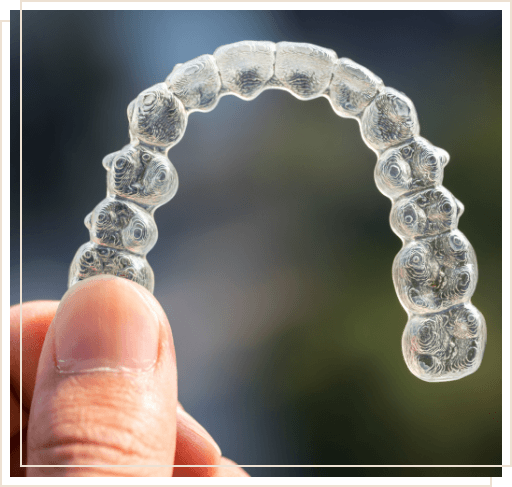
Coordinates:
(434,274)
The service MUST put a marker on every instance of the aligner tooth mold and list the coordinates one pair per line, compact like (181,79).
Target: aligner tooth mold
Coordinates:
(304,70)
(157,117)
(196,83)
(122,225)
(389,120)
(246,67)
(352,88)
(435,272)
(140,175)
(92,259)
(425,213)
(445,346)
(409,167)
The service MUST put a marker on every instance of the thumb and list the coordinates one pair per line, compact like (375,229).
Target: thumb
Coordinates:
(106,387)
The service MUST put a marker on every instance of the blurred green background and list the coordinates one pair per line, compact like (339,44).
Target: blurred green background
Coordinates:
(274,259)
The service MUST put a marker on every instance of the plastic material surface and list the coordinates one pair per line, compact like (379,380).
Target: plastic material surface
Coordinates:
(435,273)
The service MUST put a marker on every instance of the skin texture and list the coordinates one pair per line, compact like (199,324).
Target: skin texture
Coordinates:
(103,417)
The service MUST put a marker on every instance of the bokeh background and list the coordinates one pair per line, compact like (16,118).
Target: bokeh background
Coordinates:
(274,259)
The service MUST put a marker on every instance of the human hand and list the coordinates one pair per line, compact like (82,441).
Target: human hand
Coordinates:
(100,388)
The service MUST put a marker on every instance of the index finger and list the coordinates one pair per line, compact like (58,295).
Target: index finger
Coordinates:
(37,316)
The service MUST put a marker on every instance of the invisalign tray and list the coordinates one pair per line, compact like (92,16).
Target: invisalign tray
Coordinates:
(435,273)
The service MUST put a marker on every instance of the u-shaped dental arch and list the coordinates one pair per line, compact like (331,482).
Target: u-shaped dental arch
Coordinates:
(435,272)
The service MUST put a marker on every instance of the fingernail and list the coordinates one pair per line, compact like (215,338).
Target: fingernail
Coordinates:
(105,323)
(195,428)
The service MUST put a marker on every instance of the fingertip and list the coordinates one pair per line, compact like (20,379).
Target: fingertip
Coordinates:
(114,294)
(122,292)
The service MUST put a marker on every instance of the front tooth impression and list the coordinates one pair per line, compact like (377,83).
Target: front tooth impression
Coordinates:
(246,67)
(304,69)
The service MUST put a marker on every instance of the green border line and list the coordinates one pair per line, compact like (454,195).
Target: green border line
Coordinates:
(506,479)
